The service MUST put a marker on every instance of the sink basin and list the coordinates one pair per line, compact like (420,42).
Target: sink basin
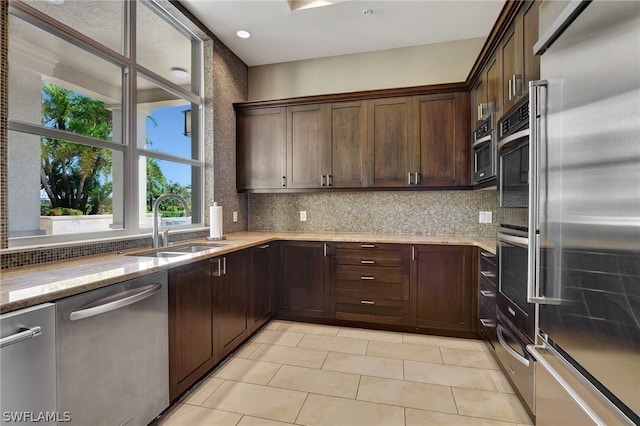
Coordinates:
(178,251)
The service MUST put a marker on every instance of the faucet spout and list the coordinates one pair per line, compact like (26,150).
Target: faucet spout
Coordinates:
(155,238)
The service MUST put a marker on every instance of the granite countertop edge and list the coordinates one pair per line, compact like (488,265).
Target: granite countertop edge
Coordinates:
(32,285)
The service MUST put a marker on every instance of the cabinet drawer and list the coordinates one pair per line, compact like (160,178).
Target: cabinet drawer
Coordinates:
(375,257)
(370,306)
(488,263)
(368,286)
(368,273)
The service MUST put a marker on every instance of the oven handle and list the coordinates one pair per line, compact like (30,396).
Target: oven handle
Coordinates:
(522,242)
(499,332)
(524,133)
(482,140)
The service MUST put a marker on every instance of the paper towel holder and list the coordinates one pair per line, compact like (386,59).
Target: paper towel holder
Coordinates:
(223,237)
(211,236)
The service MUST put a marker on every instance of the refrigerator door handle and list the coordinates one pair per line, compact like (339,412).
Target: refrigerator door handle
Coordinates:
(533,350)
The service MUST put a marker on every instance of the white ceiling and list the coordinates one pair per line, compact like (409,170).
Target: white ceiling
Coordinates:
(283,35)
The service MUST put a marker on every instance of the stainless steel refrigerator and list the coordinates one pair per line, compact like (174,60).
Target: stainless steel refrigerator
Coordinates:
(585,213)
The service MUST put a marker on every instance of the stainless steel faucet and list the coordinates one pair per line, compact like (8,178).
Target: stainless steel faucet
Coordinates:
(165,235)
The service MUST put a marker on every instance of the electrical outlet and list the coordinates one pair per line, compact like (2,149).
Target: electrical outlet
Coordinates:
(303,216)
(485,217)
(235,216)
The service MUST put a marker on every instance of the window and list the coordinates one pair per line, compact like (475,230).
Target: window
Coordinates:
(102,120)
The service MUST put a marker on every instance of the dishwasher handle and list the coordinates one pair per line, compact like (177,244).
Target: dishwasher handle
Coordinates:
(21,335)
(108,304)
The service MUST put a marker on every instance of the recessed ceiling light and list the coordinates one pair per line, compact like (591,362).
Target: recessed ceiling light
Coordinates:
(179,72)
(367,12)
(243,34)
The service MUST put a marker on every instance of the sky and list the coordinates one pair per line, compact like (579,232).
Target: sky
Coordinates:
(166,135)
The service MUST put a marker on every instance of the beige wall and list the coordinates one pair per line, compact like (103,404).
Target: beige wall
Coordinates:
(405,67)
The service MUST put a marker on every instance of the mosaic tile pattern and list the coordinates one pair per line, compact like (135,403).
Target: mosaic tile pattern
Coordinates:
(230,84)
(4,92)
(423,213)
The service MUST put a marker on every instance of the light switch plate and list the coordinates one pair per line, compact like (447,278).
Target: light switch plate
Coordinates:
(235,216)
(303,215)
(485,217)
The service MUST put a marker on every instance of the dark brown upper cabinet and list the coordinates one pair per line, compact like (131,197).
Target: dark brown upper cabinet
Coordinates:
(390,134)
(305,145)
(261,148)
(440,143)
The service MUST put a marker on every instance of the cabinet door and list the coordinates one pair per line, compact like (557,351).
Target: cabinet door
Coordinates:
(306,146)
(494,87)
(441,287)
(478,101)
(512,65)
(191,346)
(262,284)
(303,290)
(390,134)
(347,145)
(531,64)
(231,308)
(442,135)
(261,148)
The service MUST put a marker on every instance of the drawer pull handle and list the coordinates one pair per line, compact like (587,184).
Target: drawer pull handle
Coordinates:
(367,278)
(487,274)
(487,323)
(487,293)
(367,262)
(367,245)
(487,255)
(368,302)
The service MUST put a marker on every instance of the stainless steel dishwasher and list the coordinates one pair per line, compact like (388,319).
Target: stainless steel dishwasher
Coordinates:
(28,366)
(112,353)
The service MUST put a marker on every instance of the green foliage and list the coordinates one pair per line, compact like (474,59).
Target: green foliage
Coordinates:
(47,210)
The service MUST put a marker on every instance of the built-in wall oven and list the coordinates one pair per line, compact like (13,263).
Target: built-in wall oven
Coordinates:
(484,152)
(513,155)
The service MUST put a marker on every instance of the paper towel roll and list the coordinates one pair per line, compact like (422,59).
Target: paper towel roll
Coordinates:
(215,221)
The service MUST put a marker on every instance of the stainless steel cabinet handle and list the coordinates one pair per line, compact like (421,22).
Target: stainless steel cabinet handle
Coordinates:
(487,323)
(329,180)
(510,85)
(322,180)
(367,246)
(224,266)
(533,350)
(23,334)
(409,182)
(325,249)
(367,278)
(487,293)
(284,181)
(107,304)
(368,302)
(487,254)
(218,273)
(367,262)
(487,274)
(266,246)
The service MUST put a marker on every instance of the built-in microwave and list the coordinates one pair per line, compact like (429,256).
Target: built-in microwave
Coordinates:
(484,152)
(513,156)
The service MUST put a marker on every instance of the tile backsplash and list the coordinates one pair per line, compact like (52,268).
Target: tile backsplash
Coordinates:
(401,212)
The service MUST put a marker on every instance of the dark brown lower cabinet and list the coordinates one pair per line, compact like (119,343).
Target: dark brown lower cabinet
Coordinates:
(303,289)
(191,325)
(263,276)
(442,292)
(230,301)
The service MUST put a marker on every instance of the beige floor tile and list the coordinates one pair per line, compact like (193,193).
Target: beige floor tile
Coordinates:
(467,358)
(432,418)
(204,390)
(500,381)
(448,375)
(277,337)
(408,351)
(359,333)
(190,415)
(322,382)
(298,327)
(445,342)
(258,401)
(247,349)
(247,371)
(256,421)
(490,405)
(326,410)
(273,325)
(334,344)
(287,355)
(365,365)
(407,394)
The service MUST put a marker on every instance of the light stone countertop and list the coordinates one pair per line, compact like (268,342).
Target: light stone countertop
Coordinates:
(32,285)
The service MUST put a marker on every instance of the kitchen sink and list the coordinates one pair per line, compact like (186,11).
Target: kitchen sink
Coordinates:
(178,251)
